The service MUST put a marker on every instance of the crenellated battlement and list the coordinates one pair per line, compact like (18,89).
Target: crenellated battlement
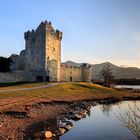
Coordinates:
(44,27)
(50,30)
(83,66)
(71,67)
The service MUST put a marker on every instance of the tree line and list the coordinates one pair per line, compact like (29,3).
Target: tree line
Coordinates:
(5,64)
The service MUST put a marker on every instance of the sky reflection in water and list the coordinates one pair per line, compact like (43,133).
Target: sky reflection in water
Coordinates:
(102,124)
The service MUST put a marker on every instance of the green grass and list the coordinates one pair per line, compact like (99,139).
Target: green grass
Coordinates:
(96,88)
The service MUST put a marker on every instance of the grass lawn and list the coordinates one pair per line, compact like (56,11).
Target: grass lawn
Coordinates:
(67,92)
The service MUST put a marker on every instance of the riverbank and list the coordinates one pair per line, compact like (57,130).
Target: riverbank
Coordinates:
(20,109)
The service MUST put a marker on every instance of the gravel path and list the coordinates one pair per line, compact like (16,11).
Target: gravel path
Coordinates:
(32,88)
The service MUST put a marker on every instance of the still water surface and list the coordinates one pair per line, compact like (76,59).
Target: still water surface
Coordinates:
(128,86)
(102,124)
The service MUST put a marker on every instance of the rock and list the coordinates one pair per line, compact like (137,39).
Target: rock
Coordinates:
(54,135)
(68,127)
(64,120)
(48,134)
(39,134)
(88,108)
(94,103)
(69,123)
(44,134)
(62,124)
(83,112)
(1,124)
(62,130)
(76,117)
(79,114)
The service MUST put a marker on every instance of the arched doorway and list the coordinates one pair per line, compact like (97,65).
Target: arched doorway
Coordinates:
(70,78)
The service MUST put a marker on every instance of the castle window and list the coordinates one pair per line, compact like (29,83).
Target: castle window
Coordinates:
(33,40)
(52,31)
(53,49)
(48,59)
(70,78)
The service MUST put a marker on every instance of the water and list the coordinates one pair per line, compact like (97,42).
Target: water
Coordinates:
(102,124)
(128,86)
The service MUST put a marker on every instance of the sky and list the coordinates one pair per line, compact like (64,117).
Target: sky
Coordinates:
(94,31)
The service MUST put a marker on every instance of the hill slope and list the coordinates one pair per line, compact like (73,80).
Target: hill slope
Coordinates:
(118,72)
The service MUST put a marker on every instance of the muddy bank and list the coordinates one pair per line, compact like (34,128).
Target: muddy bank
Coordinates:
(24,121)
(14,122)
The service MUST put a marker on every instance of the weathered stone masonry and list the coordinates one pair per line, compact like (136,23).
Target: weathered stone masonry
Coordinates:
(73,73)
(41,59)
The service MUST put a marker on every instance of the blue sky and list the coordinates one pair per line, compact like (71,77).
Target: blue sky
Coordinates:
(94,31)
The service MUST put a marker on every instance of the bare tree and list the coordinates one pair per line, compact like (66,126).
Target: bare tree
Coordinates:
(131,120)
(107,75)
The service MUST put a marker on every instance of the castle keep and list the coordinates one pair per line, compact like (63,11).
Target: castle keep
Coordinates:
(43,53)
(41,59)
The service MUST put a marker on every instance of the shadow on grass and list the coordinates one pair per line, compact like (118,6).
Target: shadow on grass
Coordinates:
(14,84)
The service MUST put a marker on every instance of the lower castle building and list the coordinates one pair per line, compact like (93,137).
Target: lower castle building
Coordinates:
(41,59)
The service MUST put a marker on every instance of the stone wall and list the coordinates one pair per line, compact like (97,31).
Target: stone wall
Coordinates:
(69,73)
(75,74)
(15,76)
(53,70)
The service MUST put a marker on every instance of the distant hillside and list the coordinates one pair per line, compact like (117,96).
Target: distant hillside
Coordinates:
(118,72)
(71,63)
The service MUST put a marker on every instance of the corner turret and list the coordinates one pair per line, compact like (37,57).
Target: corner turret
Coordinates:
(86,72)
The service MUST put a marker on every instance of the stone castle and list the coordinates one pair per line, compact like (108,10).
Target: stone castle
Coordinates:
(41,59)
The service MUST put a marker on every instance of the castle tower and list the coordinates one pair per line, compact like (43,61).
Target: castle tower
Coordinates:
(43,53)
(53,52)
(86,72)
